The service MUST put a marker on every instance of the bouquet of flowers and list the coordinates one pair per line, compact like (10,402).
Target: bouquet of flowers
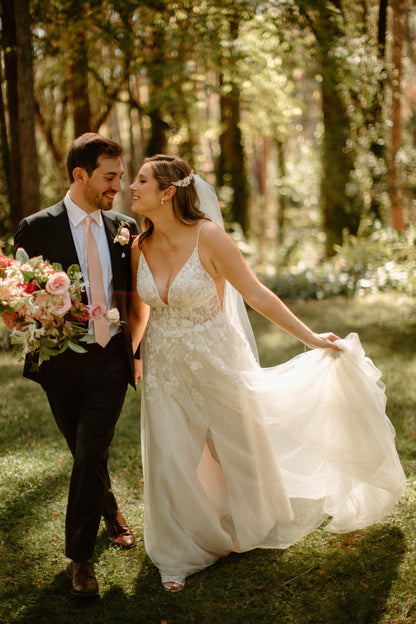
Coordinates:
(42,306)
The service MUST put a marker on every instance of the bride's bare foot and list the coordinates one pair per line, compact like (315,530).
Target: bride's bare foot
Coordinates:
(173,586)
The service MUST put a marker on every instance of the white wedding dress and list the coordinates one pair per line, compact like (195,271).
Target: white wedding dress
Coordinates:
(237,457)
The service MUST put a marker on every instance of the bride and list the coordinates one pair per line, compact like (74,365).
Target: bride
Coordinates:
(237,457)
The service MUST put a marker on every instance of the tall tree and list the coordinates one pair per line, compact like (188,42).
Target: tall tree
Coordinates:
(20,111)
(78,83)
(5,187)
(339,208)
(375,118)
(396,190)
(231,166)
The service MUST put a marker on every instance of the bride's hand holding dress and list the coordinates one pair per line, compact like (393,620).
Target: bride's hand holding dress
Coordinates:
(223,260)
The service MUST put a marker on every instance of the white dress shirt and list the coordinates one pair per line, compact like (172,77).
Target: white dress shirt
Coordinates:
(76,221)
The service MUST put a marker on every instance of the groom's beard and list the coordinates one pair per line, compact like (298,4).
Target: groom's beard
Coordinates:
(99,201)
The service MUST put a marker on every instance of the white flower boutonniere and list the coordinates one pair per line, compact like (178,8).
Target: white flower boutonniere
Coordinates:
(123,234)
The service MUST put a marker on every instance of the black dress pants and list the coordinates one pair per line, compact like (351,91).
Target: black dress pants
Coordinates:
(86,394)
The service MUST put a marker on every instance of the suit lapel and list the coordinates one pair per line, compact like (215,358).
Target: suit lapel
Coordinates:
(60,233)
(111,226)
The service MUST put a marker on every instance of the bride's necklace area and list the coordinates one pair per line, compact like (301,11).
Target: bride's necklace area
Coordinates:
(164,279)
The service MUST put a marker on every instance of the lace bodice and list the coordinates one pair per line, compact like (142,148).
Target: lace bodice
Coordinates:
(192,296)
(188,328)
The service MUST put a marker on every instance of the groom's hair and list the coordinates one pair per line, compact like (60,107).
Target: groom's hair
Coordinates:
(87,149)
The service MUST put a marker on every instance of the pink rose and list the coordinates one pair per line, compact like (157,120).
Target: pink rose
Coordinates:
(125,233)
(123,236)
(40,302)
(58,283)
(9,319)
(97,311)
(61,304)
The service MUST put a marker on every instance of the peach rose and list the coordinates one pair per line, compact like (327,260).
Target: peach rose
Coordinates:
(61,304)
(125,234)
(7,290)
(9,319)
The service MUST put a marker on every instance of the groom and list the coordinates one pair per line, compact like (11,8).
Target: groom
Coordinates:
(86,390)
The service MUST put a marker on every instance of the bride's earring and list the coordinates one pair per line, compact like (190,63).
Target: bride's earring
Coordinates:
(163,201)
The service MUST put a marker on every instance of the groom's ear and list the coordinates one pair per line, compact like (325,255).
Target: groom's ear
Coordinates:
(79,174)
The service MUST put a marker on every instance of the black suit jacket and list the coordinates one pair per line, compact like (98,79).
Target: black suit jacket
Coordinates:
(48,233)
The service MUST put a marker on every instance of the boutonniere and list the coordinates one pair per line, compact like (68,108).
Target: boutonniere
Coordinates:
(123,234)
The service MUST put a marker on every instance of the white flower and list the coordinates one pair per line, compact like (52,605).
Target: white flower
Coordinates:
(113,315)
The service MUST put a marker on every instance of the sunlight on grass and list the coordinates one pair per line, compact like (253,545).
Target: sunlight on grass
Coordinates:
(366,577)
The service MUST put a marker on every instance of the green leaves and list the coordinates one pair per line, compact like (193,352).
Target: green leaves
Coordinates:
(21,256)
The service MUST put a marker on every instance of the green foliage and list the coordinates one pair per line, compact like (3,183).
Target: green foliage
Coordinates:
(379,259)
(152,70)
(375,260)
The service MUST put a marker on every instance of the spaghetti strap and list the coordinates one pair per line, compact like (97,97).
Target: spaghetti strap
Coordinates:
(199,232)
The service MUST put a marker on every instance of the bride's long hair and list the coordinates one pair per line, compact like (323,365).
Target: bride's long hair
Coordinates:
(185,202)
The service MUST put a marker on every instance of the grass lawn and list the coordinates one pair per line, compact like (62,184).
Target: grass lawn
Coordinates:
(360,578)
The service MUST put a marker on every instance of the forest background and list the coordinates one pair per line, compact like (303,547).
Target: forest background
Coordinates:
(302,114)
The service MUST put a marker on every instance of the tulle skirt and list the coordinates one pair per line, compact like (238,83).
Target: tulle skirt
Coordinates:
(238,457)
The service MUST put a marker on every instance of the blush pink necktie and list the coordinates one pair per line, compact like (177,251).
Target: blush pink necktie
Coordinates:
(95,278)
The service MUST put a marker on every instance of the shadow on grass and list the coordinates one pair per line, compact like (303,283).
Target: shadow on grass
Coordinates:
(340,582)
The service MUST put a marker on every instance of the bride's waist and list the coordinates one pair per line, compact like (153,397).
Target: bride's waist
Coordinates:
(180,317)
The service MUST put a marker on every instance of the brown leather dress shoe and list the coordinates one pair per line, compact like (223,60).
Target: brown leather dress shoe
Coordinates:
(84,581)
(119,532)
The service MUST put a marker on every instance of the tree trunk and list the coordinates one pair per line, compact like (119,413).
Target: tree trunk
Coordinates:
(337,164)
(78,85)
(231,165)
(157,141)
(396,190)
(340,209)
(232,168)
(375,118)
(24,177)
(5,189)
(282,205)
(12,146)
(263,233)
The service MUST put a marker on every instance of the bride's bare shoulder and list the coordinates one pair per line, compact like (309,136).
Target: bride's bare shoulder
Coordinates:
(213,235)
(209,228)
